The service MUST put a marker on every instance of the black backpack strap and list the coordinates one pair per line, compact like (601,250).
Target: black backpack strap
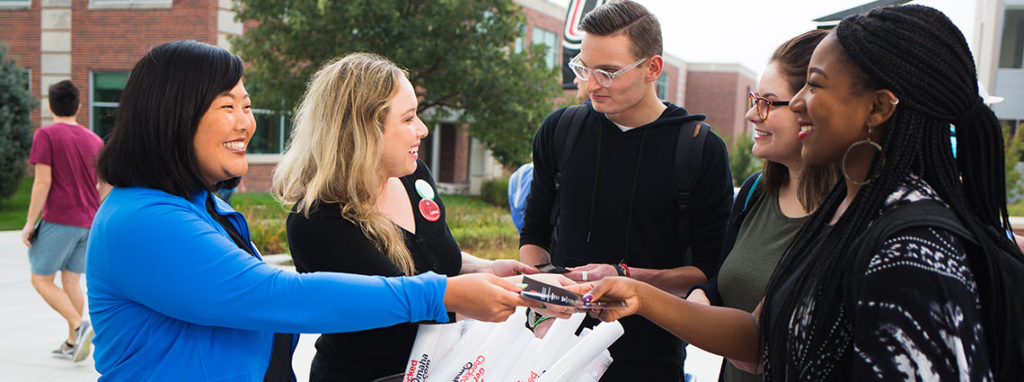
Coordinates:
(688,159)
(566,132)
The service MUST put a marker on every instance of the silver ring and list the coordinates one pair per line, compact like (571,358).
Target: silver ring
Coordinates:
(584,275)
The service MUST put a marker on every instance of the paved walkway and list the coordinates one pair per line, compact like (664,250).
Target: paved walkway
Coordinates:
(31,329)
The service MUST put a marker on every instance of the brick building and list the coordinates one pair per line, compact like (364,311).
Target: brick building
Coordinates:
(95,43)
(720,91)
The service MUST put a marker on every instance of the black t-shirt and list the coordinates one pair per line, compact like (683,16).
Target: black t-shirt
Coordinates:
(327,242)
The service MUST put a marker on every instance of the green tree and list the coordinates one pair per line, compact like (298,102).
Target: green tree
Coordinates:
(458,54)
(1014,152)
(16,104)
(742,161)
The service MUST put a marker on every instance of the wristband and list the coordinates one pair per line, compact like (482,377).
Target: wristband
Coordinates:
(533,319)
(623,269)
(541,319)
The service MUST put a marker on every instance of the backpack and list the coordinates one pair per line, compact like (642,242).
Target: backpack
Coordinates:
(751,198)
(928,213)
(688,157)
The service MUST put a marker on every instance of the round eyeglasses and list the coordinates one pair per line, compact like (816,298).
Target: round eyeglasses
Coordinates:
(763,105)
(601,76)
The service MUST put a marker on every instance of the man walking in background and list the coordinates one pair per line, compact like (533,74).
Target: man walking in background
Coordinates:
(67,193)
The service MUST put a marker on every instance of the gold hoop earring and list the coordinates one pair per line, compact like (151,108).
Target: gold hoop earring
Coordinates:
(869,142)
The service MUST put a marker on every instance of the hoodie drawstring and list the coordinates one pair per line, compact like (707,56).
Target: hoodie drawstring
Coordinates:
(593,193)
(632,195)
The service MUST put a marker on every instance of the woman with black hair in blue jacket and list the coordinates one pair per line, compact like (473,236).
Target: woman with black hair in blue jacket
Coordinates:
(177,291)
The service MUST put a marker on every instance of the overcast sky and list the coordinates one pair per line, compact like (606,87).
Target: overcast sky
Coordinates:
(748,31)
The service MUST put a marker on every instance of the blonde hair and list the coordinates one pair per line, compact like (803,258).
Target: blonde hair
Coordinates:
(335,148)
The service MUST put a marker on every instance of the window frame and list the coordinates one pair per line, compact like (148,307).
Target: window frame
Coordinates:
(283,118)
(661,85)
(551,55)
(130,4)
(1020,43)
(519,44)
(15,4)
(28,76)
(94,104)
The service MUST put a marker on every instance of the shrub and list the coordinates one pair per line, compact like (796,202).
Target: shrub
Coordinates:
(742,161)
(1014,151)
(481,229)
(495,191)
(16,104)
(266,221)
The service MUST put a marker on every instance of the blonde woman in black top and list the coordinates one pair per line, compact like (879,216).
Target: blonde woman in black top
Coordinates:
(364,203)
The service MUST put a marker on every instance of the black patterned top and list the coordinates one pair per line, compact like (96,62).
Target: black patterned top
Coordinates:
(917,315)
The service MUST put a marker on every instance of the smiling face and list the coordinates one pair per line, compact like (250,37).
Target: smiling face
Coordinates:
(223,133)
(775,139)
(403,130)
(611,53)
(834,106)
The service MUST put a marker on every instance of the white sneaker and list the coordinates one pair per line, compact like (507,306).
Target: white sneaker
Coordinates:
(64,350)
(83,342)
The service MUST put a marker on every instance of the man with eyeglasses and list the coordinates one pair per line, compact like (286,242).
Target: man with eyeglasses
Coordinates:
(614,212)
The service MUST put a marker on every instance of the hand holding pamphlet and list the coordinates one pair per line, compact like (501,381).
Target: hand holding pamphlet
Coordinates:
(550,294)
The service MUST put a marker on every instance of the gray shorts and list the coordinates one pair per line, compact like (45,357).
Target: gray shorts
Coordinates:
(58,247)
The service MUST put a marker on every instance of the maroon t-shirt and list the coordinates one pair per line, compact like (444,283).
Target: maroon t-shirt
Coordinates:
(70,151)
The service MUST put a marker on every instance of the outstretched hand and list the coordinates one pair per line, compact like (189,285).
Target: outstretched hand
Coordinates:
(614,289)
(506,268)
(591,272)
(552,279)
(483,297)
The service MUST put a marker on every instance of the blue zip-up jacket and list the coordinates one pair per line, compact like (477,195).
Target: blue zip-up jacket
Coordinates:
(172,298)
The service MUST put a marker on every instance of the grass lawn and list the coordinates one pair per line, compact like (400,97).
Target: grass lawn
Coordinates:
(13,210)
(266,220)
(1016,209)
(480,228)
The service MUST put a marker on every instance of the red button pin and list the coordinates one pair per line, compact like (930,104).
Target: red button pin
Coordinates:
(429,210)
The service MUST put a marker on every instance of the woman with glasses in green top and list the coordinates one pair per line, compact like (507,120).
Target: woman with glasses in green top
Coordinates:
(773,203)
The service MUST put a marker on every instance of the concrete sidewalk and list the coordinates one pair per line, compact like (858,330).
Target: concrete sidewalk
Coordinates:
(31,329)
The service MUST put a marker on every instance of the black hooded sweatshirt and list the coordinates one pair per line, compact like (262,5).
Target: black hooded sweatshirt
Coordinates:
(618,204)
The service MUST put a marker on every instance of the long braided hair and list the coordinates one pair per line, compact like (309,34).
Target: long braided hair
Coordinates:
(919,54)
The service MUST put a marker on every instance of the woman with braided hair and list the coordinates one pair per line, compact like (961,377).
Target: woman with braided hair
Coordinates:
(926,302)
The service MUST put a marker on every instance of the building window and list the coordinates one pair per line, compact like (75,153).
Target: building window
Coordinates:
(272,131)
(15,4)
(27,74)
(520,43)
(550,40)
(663,86)
(1011,53)
(123,4)
(106,91)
